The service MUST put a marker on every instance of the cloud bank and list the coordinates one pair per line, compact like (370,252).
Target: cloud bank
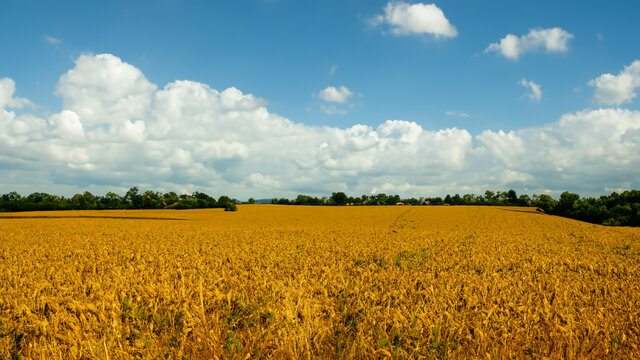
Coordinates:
(117,129)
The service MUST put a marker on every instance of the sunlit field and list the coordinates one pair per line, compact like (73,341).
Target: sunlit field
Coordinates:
(316,282)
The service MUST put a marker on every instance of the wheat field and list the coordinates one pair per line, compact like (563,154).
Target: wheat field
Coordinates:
(296,282)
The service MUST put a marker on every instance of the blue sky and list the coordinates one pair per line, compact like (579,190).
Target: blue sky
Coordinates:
(433,71)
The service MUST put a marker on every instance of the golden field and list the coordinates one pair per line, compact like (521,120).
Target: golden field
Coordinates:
(301,282)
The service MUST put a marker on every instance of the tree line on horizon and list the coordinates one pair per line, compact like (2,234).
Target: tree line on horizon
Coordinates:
(621,209)
(133,199)
(617,209)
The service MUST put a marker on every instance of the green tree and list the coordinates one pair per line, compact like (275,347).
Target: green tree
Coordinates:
(223,200)
(544,202)
(567,203)
(85,201)
(11,201)
(524,200)
(339,198)
(110,200)
(133,199)
(468,199)
(489,196)
(379,199)
(392,200)
(151,200)
(170,198)
(204,200)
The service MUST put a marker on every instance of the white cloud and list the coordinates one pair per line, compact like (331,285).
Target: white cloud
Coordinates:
(104,89)
(190,136)
(52,40)
(617,89)
(551,40)
(331,94)
(587,147)
(264,182)
(67,125)
(129,131)
(7,89)
(337,95)
(415,19)
(456,114)
(536,91)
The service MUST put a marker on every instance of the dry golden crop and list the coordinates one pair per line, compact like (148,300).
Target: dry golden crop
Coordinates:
(317,282)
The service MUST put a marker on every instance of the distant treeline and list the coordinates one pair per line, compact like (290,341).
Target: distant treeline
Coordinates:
(504,198)
(133,199)
(615,209)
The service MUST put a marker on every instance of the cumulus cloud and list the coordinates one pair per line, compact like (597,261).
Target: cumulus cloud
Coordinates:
(104,89)
(67,125)
(187,136)
(415,19)
(617,89)
(536,91)
(589,147)
(7,89)
(550,40)
(337,95)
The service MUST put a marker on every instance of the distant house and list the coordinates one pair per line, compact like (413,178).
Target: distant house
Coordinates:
(427,202)
(399,203)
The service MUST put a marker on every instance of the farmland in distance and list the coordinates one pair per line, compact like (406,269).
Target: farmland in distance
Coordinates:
(317,282)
